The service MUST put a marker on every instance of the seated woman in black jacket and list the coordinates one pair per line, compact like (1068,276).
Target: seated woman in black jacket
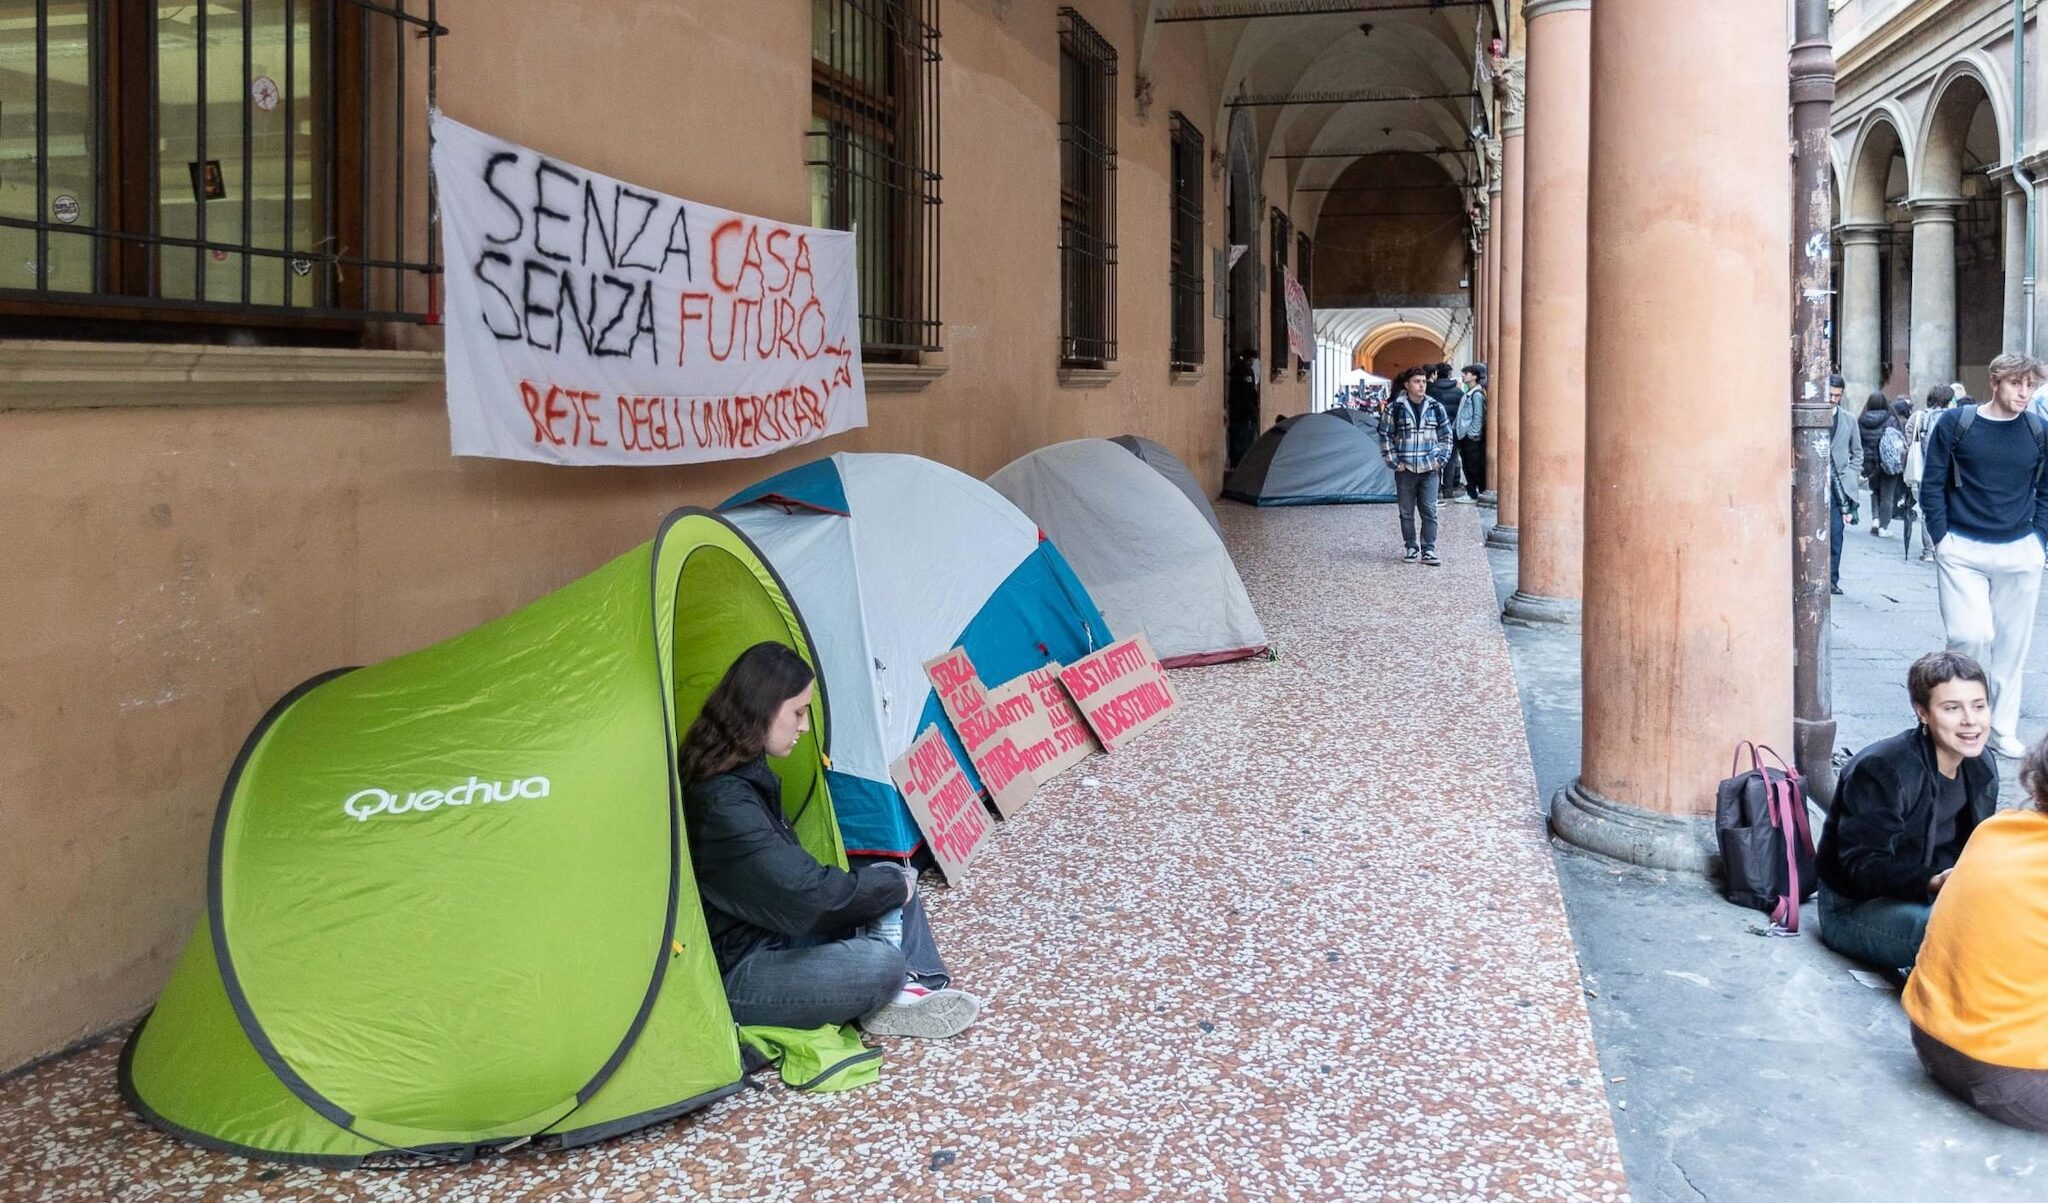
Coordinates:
(800,944)
(1903,810)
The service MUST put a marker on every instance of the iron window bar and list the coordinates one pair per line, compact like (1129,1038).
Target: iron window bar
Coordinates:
(1283,232)
(1185,260)
(1088,250)
(352,265)
(875,161)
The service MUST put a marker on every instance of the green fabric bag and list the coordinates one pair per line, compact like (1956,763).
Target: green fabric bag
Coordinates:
(816,1059)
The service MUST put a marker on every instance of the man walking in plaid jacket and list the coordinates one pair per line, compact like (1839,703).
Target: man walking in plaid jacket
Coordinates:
(1416,442)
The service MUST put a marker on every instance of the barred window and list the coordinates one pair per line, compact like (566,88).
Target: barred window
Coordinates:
(874,159)
(1304,268)
(236,162)
(1283,233)
(1185,266)
(1087,194)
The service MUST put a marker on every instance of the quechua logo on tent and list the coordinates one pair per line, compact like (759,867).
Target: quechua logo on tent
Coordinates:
(365,804)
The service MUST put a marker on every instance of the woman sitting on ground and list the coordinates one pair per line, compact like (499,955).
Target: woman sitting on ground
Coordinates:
(800,944)
(1978,997)
(1903,810)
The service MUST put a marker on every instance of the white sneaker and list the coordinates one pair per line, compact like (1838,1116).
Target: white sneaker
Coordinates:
(926,1014)
(2007,746)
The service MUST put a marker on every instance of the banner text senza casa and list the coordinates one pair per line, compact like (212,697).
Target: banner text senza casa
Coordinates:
(572,258)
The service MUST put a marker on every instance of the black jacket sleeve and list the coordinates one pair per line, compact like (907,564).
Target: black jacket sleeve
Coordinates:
(1866,830)
(750,867)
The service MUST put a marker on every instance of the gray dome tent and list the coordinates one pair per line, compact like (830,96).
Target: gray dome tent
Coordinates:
(1313,459)
(1169,465)
(1141,548)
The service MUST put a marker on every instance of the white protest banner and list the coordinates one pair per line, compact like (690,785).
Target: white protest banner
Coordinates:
(1301,334)
(590,321)
(945,805)
(996,757)
(1121,690)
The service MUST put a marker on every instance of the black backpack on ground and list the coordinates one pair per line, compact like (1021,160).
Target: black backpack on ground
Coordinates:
(1766,841)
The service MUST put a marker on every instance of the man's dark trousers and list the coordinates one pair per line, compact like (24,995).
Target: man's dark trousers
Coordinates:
(1413,490)
(1241,436)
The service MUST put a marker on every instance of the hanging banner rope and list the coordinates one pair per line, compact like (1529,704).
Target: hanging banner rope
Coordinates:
(590,321)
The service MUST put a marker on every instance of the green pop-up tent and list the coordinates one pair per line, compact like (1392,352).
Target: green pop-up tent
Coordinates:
(449,898)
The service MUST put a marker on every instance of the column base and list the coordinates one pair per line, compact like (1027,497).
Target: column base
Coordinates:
(1489,499)
(1507,538)
(1813,742)
(1584,819)
(1530,610)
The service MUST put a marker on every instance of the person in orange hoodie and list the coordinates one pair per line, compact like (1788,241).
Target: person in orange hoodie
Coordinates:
(1978,996)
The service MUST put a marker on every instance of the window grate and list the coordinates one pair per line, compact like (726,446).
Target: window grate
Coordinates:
(874,160)
(1088,68)
(230,162)
(1185,267)
(1283,234)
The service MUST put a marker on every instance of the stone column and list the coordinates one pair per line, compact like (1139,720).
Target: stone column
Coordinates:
(1931,351)
(1688,576)
(2015,268)
(1552,479)
(1862,333)
(1506,379)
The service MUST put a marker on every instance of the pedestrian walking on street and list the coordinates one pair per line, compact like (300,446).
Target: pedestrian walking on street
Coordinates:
(1416,442)
(1918,429)
(1445,391)
(1884,459)
(1985,499)
(1845,466)
(1468,427)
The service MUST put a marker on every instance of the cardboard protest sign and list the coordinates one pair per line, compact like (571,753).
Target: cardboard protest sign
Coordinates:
(995,755)
(1121,690)
(591,321)
(943,801)
(1041,718)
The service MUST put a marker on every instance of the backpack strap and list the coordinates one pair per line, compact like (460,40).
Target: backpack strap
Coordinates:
(2039,429)
(1965,416)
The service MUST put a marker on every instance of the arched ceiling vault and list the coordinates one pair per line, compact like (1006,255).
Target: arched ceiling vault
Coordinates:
(1324,82)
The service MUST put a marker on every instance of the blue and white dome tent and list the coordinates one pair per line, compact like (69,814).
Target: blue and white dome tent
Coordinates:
(892,560)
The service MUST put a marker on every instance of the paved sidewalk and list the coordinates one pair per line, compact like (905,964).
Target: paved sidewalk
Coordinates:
(1304,942)
(1744,1068)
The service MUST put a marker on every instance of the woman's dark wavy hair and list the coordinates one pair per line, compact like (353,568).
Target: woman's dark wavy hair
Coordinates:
(732,729)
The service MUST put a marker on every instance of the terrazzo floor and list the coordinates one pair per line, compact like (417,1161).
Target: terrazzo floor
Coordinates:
(1304,941)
